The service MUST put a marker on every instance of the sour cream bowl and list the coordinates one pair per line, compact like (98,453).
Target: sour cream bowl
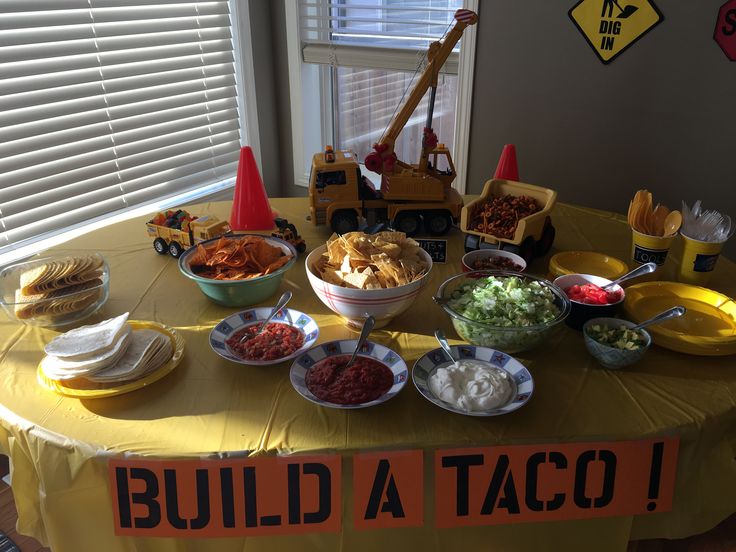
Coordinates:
(520,380)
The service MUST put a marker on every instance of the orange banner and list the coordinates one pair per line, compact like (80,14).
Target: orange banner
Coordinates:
(512,484)
(226,498)
(388,489)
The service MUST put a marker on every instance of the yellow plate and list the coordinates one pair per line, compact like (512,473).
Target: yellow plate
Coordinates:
(587,262)
(84,389)
(708,327)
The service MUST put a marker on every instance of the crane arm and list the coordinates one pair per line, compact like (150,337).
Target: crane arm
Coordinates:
(438,54)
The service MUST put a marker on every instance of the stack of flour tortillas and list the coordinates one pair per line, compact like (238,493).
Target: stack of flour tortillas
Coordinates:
(108,352)
(59,287)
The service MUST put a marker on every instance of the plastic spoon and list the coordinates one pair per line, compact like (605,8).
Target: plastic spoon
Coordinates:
(440,336)
(285,298)
(364,333)
(638,271)
(674,312)
(660,214)
(672,223)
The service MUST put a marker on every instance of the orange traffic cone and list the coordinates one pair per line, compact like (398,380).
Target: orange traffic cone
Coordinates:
(251,210)
(507,168)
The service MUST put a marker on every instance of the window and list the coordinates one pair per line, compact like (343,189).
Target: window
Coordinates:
(110,104)
(353,62)
(330,178)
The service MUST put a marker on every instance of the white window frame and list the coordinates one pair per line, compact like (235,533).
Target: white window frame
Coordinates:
(463,109)
(245,77)
(249,134)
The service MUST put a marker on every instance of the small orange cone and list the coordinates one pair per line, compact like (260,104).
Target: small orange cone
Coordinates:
(507,168)
(251,210)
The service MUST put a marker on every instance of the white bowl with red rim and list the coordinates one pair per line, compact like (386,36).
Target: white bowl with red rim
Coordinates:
(355,305)
(481,255)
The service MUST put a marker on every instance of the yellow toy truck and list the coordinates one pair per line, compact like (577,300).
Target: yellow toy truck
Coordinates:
(287,232)
(339,195)
(493,220)
(411,196)
(176,231)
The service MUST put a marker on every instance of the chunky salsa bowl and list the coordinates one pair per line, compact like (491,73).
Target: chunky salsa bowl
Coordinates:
(221,336)
(374,352)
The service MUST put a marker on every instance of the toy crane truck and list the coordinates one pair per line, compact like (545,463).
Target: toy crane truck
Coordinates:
(410,196)
(175,231)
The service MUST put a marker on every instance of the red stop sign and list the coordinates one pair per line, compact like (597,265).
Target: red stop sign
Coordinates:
(725,33)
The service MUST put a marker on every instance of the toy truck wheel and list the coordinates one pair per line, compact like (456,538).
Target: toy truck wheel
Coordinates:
(159,244)
(548,237)
(344,222)
(527,248)
(302,247)
(175,249)
(407,222)
(437,223)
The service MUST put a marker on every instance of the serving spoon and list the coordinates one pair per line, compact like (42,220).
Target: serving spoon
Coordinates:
(646,268)
(285,298)
(364,332)
(674,312)
(442,340)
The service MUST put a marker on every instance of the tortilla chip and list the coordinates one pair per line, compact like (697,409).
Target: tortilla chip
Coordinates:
(237,258)
(363,261)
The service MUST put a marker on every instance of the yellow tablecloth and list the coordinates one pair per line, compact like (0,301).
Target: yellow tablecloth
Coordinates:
(58,446)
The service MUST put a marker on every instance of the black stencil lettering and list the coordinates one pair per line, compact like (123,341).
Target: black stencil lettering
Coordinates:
(462,463)
(121,482)
(581,477)
(172,501)
(249,490)
(393,500)
(228,500)
(203,500)
(560,462)
(325,492)
(609,478)
(295,509)
(146,498)
(509,500)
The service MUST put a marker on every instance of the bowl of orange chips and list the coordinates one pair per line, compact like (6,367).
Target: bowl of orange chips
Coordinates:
(356,275)
(238,270)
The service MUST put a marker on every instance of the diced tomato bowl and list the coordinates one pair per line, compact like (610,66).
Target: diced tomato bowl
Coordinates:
(588,299)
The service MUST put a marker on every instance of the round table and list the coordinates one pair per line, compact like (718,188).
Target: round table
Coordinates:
(210,407)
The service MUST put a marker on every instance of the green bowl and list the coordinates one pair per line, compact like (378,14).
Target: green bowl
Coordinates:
(240,293)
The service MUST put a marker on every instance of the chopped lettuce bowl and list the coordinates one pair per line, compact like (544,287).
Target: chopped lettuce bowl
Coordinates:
(502,310)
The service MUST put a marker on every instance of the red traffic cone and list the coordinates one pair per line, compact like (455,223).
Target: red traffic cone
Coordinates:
(251,210)
(507,168)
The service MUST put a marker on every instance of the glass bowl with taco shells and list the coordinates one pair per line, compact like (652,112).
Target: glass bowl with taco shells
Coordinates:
(55,291)
(238,270)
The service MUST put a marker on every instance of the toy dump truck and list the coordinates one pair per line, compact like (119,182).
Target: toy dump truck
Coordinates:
(411,196)
(176,231)
(496,224)
(287,232)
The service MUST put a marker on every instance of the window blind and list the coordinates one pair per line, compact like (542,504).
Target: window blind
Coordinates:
(109,104)
(379,34)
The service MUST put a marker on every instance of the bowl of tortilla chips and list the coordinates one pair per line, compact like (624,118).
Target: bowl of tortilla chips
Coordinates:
(356,275)
(238,270)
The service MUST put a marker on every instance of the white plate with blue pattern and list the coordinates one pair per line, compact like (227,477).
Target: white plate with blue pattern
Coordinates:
(436,358)
(384,355)
(233,323)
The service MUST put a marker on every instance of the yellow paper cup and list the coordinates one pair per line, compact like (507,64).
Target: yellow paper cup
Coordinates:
(650,249)
(698,260)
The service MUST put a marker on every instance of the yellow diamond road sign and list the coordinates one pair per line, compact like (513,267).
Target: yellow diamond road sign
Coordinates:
(611,26)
